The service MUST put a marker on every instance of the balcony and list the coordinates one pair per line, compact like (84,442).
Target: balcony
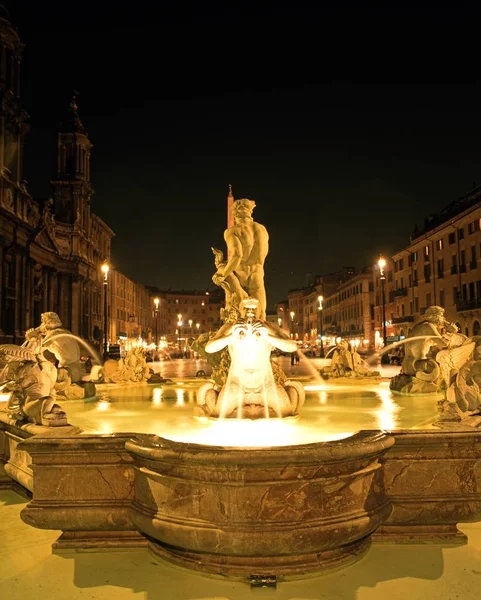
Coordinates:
(464,305)
(405,319)
(401,292)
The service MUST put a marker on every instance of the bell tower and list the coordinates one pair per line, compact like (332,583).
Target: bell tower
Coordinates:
(72,187)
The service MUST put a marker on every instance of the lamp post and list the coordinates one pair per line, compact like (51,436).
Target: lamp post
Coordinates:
(292,314)
(179,325)
(320,309)
(381,264)
(156,315)
(105,270)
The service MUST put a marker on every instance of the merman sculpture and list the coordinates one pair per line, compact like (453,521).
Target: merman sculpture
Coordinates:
(246,383)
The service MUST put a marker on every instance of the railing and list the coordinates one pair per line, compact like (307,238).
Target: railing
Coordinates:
(400,292)
(463,305)
(405,319)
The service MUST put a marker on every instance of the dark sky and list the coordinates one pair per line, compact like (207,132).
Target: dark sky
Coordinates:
(347,125)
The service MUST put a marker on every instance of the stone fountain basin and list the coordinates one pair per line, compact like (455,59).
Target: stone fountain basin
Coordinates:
(282,511)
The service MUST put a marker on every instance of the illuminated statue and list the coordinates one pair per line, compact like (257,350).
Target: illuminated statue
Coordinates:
(251,389)
(347,362)
(420,371)
(31,380)
(64,346)
(247,247)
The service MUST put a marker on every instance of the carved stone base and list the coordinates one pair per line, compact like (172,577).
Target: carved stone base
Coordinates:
(419,534)
(85,541)
(280,567)
(278,511)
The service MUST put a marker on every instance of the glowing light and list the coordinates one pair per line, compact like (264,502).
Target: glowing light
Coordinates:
(5,396)
(180,397)
(157,396)
(381,264)
(103,405)
(156,302)
(387,416)
(251,434)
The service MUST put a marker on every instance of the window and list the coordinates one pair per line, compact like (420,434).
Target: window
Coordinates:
(451,239)
(441,297)
(427,273)
(401,264)
(461,233)
(426,252)
(439,244)
(428,299)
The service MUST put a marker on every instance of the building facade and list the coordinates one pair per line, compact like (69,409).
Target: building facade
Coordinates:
(441,266)
(50,249)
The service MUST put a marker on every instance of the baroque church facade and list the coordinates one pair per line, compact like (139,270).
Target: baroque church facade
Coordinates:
(50,250)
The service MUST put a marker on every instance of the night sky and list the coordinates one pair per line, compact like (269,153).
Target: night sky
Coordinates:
(347,126)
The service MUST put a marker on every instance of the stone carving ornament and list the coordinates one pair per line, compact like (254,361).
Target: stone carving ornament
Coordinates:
(31,379)
(438,359)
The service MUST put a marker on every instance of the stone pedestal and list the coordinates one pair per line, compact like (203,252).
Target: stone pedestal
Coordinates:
(433,480)
(84,487)
(15,462)
(243,512)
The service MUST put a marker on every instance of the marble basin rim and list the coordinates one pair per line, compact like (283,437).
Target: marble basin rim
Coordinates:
(244,511)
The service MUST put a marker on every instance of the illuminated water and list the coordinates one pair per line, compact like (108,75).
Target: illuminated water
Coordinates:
(330,412)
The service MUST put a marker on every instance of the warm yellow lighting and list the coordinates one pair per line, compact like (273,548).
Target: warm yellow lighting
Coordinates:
(197,325)
(190,323)
(261,433)
(179,317)
(105,268)
(381,263)
(292,313)
(157,396)
(103,405)
(320,299)
(5,396)
(156,302)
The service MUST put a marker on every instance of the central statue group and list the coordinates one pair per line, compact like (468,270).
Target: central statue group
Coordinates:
(246,381)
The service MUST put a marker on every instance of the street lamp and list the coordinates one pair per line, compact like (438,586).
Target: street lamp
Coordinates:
(320,309)
(179,325)
(156,315)
(105,270)
(381,264)
(292,313)
(197,326)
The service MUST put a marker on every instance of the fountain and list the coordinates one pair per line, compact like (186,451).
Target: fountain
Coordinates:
(254,508)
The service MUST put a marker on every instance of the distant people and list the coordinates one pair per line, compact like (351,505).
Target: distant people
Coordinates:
(297,357)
